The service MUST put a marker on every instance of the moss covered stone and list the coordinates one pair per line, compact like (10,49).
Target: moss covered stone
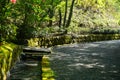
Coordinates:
(8,56)
(67,39)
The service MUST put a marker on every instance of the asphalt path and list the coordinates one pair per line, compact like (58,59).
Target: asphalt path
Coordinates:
(87,61)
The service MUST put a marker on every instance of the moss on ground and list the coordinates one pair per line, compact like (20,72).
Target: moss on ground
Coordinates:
(8,56)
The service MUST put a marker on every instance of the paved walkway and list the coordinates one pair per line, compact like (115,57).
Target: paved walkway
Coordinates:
(87,61)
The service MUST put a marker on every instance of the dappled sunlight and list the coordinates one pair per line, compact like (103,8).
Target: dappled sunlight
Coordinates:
(90,45)
(48,73)
(31,70)
(88,61)
(8,55)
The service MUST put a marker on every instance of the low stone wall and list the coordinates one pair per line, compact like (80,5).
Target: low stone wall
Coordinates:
(9,54)
(49,41)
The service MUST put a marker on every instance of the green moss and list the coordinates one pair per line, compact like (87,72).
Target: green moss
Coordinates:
(48,73)
(8,55)
(67,39)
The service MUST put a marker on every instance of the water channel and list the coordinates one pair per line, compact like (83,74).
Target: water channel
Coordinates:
(84,61)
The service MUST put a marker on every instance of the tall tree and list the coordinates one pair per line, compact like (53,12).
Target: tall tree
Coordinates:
(60,17)
(51,13)
(70,14)
(65,14)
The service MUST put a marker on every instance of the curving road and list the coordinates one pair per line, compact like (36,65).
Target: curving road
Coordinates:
(87,61)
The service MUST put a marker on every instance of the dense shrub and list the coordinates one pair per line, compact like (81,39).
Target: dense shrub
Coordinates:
(8,32)
(106,31)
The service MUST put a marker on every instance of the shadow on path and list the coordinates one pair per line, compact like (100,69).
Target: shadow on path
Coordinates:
(87,61)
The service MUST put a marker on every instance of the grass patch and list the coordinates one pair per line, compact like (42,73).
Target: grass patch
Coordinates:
(48,73)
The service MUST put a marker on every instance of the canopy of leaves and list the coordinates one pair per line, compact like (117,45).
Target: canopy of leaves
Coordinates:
(33,17)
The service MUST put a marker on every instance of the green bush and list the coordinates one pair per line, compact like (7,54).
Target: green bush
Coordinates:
(8,32)
(106,31)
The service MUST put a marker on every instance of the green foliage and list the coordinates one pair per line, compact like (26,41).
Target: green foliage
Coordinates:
(39,17)
(8,20)
(106,31)
(8,32)
(96,14)
(48,30)
(79,30)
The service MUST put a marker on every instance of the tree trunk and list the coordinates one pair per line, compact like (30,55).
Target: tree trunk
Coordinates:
(65,15)
(70,14)
(60,17)
(51,14)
